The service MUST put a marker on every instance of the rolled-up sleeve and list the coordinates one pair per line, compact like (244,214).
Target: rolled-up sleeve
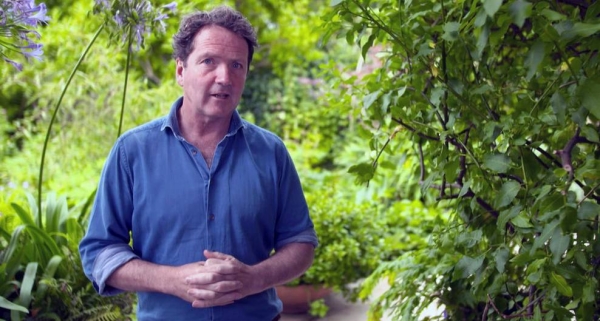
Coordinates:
(105,246)
(108,260)
(307,236)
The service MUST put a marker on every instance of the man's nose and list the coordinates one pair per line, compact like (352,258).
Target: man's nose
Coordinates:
(223,75)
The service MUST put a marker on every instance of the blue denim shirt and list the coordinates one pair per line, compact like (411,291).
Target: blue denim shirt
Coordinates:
(157,186)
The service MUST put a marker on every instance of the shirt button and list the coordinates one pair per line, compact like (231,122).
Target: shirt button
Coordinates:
(211,217)
(194,152)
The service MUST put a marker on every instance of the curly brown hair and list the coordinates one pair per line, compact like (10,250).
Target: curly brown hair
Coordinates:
(222,16)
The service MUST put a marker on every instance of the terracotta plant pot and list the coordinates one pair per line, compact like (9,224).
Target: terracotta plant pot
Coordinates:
(297,299)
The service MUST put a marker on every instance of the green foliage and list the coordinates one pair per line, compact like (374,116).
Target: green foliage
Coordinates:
(499,101)
(349,248)
(40,270)
(318,308)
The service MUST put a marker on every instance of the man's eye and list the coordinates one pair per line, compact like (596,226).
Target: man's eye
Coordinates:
(208,61)
(237,65)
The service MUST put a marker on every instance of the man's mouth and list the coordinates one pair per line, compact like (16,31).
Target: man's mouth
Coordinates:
(221,96)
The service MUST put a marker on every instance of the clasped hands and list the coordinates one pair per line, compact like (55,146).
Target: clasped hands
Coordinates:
(219,280)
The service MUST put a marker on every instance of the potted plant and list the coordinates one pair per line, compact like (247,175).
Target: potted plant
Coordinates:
(350,248)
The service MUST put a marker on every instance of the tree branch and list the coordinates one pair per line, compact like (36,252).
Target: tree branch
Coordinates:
(421,162)
(513,177)
(565,154)
(422,135)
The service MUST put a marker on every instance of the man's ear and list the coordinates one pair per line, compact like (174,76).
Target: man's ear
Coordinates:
(179,69)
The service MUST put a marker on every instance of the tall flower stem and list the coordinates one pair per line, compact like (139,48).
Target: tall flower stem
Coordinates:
(126,79)
(62,94)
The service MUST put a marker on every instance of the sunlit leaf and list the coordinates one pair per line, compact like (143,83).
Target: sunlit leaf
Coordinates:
(4,303)
(370,99)
(27,284)
(561,284)
(521,221)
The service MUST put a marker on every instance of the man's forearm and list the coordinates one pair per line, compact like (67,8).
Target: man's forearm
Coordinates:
(142,276)
(285,265)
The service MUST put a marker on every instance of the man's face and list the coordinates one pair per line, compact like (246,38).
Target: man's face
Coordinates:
(214,76)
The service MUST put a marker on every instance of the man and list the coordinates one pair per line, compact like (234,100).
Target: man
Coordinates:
(203,196)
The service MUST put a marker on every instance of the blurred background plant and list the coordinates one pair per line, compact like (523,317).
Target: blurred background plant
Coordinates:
(19,20)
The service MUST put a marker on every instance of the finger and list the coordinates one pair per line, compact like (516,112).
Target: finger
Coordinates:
(208,304)
(209,278)
(217,255)
(220,266)
(216,300)
(212,261)
(218,287)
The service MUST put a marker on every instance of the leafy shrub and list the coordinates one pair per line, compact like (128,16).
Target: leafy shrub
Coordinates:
(350,247)
(500,102)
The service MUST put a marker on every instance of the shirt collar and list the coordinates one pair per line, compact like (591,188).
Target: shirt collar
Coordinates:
(171,120)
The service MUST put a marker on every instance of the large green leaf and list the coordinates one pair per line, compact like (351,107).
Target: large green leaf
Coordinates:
(25,296)
(26,217)
(49,272)
(519,11)
(25,290)
(10,250)
(501,256)
(534,58)
(370,99)
(559,106)
(497,162)
(553,15)
(590,96)
(507,215)
(492,6)
(467,266)
(4,303)
(559,244)
(451,31)
(547,232)
(561,284)
(583,30)
(589,289)
(588,210)
(507,194)
(521,221)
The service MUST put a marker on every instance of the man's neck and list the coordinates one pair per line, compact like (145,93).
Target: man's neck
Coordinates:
(202,132)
